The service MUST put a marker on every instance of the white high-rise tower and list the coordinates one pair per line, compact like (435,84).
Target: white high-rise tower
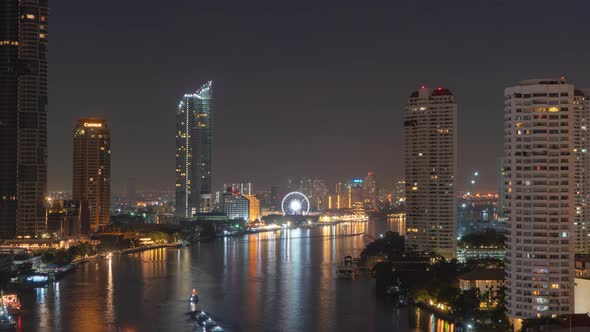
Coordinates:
(430,132)
(546,144)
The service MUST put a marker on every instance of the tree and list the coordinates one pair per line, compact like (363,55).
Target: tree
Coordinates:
(498,314)
(48,257)
(466,305)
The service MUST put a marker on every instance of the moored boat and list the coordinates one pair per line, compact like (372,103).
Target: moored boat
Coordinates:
(346,270)
(194,298)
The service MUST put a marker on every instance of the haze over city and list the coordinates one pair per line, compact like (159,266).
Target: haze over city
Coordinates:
(303,88)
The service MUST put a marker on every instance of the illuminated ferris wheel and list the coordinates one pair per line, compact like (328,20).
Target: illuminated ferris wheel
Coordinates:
(295,203)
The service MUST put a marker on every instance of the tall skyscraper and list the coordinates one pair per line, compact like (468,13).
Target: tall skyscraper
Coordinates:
(193,152)
(430,132)
(546,144)
(582,139)
(501,172)
(92,170)
(23,117)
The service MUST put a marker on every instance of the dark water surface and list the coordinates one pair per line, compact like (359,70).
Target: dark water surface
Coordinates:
(279,281)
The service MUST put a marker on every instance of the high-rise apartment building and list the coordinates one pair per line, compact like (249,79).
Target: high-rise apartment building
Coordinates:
(92,170)
(193,152)
(546,145)
(582,141)
(23,117)
(501,171)
(430,132)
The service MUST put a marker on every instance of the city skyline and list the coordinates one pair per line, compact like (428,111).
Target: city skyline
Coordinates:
(261,83)
(320,167)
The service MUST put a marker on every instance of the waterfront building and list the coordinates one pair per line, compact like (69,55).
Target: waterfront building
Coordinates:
(430,132)
(371,191)
(545,147)
(355,193)
(236,206)
(91,183)
(254,208)
(23,117)
(338,201)
(68,219)
(193,153)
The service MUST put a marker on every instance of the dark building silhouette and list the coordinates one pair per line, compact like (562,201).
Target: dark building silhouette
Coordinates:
(68,219)
(23,117)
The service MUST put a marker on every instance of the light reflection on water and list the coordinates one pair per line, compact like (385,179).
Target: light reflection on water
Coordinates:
(283,280)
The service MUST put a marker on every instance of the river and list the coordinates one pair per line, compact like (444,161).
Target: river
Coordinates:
(276,281)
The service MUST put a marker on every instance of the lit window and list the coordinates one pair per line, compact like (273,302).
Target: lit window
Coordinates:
(553,109)
(30,16)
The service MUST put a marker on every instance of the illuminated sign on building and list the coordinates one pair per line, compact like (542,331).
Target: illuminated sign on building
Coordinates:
(92,124)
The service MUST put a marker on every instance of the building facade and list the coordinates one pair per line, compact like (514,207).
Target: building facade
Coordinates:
(544,127)
(92,170)
(501,172)
(581,139)
(23,117)
(68,219)
(236,206)
(254,212)
(430,132)
(193,153)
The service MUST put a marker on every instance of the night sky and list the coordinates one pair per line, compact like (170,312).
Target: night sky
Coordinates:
(301,87)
